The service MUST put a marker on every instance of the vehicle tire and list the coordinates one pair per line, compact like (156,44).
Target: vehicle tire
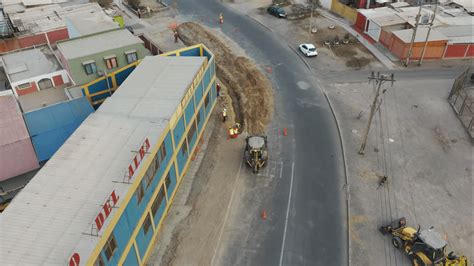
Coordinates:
(397,242)
(417,261)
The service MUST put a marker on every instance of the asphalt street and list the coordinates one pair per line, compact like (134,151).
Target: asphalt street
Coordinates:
(308,205)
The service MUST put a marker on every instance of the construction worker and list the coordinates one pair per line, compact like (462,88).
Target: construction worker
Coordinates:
(232,133)
(175,36)
(383,181)
(221,18)
(224,115)
(218,89)
(237,128)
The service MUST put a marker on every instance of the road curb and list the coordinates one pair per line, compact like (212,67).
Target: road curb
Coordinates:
(259,22)
(299,55)
(346,185)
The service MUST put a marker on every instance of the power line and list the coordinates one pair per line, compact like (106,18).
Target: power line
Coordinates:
(405,160)
(377,80)
(417,22)
(428,34)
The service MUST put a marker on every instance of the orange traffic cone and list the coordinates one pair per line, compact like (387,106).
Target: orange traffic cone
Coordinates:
(264,214)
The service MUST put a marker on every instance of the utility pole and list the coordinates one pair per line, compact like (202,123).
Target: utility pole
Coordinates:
(378,81)
(417,22)
(311,19)
(428,34)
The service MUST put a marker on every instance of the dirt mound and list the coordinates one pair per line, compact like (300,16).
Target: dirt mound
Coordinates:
(250,90)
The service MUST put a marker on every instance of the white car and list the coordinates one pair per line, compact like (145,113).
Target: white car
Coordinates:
(308,49)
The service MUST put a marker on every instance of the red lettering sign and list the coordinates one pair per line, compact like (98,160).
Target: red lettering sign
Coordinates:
(135,163)
(74,260)
(106,210)
(99,220)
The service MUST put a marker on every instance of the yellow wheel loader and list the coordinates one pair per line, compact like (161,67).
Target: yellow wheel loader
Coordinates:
(424,248)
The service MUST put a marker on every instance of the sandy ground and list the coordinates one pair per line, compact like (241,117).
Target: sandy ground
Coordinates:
(250,90)
(427,156)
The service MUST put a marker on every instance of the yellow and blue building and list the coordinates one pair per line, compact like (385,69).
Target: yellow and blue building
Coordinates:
(103,196)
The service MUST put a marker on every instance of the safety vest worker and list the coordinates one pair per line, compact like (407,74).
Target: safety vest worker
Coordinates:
(221,18)
(224,115)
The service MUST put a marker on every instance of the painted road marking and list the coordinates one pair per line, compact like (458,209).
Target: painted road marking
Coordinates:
(287,213)
(226,213)
(281,169)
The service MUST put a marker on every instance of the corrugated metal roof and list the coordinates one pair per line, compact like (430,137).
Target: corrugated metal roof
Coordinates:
(97,43)
(17,155)
(49,219)
(12,125)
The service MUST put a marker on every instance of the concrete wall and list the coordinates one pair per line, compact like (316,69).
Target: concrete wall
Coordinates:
(78,74)
(373,30)
(459,51)
(326,4)
(434,50)
(347,12)
(20,42)
(134,245)
(58,78)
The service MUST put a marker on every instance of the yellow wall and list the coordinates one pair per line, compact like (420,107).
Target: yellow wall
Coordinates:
(347,12)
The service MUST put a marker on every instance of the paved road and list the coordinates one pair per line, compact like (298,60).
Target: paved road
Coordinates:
(307,220)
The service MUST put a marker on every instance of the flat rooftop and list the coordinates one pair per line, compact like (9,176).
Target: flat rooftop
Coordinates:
(91,22)
(52,16)
(458,34)
(50,218)
(28,63)
(388,20)
(406,35)
(42,98)
(97,43)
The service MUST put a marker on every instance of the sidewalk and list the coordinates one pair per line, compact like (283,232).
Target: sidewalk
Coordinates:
(376,52)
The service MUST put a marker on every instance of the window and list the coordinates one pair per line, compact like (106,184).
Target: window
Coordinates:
(191,131)
(131,56)
(157,203)
(45,84)
(90,67)
(150,173)
(162,151)
(99,261)
(198,118)
(184,148)
(168,180)
(23,86)
(139,193)
(206,101)
(110,247)
(111,61)
(147,224)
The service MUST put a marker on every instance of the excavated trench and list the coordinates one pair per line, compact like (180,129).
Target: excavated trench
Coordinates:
(249,89)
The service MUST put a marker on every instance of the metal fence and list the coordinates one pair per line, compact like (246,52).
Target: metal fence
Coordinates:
(461,99)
